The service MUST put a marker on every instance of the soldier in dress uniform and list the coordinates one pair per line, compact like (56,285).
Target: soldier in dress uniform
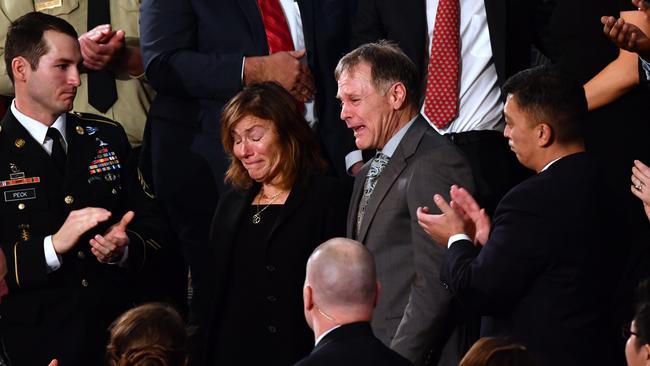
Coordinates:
(77,222)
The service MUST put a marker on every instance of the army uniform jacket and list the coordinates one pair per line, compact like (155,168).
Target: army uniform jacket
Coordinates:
(64,313)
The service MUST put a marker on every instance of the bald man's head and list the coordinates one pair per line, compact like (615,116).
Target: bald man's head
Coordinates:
(341,273)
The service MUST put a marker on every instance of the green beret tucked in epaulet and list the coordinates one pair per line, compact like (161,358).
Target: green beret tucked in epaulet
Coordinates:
(89,117)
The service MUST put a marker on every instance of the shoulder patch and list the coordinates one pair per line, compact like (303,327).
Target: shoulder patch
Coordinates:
(89,117)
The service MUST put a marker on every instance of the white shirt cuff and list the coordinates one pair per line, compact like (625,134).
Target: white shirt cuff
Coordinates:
(457,237)
(51,258)
(352,158)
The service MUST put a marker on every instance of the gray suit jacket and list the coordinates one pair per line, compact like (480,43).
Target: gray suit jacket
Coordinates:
(414,311)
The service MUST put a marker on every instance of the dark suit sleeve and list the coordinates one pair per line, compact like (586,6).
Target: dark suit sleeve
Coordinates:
(426,322)
(504,269)
(173,62)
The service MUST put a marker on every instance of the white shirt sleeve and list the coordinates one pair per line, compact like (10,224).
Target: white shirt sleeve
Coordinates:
(457,237)
(52,259)
(352,158)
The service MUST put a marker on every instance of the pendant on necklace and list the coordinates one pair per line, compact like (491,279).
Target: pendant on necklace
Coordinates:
(257,218)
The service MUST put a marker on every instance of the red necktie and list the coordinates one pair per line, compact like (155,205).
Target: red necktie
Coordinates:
(275,25)
(443,73)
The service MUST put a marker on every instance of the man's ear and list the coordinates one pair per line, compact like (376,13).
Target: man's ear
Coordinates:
(19,67)
(308,297)
(646,349)
(545,135)
(397,95)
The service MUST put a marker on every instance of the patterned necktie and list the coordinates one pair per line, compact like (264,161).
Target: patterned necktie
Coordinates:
(58,153)
(377,166)
(275,25)
(443,72)
(102,92)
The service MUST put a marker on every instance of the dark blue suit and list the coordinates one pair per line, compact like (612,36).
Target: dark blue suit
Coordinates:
(549,267)
(193,53)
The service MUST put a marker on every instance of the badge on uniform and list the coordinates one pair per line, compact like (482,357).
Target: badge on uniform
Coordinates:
(90,130)
(104,161)
(17,177)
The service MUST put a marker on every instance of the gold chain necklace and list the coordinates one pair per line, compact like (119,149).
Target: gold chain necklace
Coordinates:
(257,217)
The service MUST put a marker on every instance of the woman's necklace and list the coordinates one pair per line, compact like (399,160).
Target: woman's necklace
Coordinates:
(257,217)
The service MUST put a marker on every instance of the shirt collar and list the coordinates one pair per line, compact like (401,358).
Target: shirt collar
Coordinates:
(320,338)
(37,129)
(393,142)
(549,164)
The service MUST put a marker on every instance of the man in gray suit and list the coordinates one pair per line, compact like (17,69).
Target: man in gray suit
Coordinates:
(378,88)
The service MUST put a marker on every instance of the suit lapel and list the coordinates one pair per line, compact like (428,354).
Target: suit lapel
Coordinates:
(307,11)
(396,165)
(256,26)
(355,198)
(224,232)
(496,19)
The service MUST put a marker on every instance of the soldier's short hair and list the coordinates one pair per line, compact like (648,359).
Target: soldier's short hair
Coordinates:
(25,38)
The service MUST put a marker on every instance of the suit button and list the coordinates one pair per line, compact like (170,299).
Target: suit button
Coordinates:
(272,329)
(445,285)
(271,298)
(84,282)
(81,255)
(114,191)
(68,200)
(270,268)
(21,206)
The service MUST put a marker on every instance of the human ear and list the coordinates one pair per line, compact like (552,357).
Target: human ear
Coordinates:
(544,134)
(397,95)
(19,66)
(308,297)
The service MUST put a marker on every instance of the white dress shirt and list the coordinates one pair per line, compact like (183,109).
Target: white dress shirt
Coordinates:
(480,104)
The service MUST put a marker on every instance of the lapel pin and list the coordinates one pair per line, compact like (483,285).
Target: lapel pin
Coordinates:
(79,129)
(19,143)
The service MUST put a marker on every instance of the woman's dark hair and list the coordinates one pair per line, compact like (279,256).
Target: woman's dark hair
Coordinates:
(491,351)
(148,335)
(300,151)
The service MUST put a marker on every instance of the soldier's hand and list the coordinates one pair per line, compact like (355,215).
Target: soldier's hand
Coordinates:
(109,248)
(102,47)
(76,224)
(286,69)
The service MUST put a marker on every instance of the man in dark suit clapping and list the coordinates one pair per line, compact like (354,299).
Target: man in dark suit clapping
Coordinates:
(550,259)
(340,294)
